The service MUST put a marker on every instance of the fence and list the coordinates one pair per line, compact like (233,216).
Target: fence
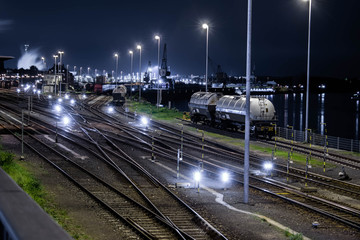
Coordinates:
(351,145)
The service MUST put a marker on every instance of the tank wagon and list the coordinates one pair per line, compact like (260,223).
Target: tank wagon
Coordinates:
(118,95)
(229,111)
(202,107)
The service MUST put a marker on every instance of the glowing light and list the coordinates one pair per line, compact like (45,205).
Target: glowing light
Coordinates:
(18,90)
(225,176)
(49,97)
(157,37)
(72,101)
(84,96)
(205,26)
(60,100)
(138,47)
(57,108)
(66,96)
(268,166)
(110,109)
(144,120)
(66,120)
(197,176)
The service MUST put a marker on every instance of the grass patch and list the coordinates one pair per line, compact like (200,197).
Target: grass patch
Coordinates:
(18,172)
(291,236)
(155,113)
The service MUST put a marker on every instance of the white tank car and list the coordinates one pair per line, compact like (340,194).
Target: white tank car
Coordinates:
(231,111)
(119,94)
(234,108)
(202,106)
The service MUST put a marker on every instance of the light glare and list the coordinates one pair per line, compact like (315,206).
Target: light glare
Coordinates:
(268,165)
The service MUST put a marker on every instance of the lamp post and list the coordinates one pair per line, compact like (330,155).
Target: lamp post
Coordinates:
(116,67)
(308,75)
(139,47)
(55,57)
(60,62)
(131,70)
(158,75)
(247,116)
(88,71)
(205,26)
(43,61)
(80,73)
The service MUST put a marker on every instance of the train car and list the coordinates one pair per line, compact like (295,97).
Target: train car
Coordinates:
(98,88)
(118,95)
(202,107)
(229,111)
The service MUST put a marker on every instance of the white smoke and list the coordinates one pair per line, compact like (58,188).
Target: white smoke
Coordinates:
(30,58)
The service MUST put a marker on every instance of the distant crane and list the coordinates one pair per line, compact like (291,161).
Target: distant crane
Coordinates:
(163,71)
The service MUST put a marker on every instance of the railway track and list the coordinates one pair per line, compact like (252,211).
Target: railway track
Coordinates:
(178,213)
(168,151)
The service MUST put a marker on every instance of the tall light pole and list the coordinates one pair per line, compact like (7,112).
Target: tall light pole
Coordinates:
(158,71)
(247,117)
(60,62)
(139,47)
(116,67)
(55,57)
(43,61)
(80,73)
(131,70)
(88,71)
(205,26)
(308,76)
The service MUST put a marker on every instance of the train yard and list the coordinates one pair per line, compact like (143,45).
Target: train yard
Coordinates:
(131,168)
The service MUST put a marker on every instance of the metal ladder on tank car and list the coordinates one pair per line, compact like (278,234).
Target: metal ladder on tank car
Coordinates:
(262,107)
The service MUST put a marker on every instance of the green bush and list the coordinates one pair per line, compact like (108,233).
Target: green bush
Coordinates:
(6,158)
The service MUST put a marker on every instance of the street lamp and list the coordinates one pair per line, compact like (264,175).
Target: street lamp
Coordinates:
(55,56)
(88,71)
(158,71)
(131,70)
(139,47)
(205,26)
(43,61)
(60,62)
(307,75)
(116,66)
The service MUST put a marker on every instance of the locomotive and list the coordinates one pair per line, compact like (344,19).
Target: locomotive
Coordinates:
(228,111)
(118,95)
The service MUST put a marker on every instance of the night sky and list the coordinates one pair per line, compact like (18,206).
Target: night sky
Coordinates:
(91,32)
